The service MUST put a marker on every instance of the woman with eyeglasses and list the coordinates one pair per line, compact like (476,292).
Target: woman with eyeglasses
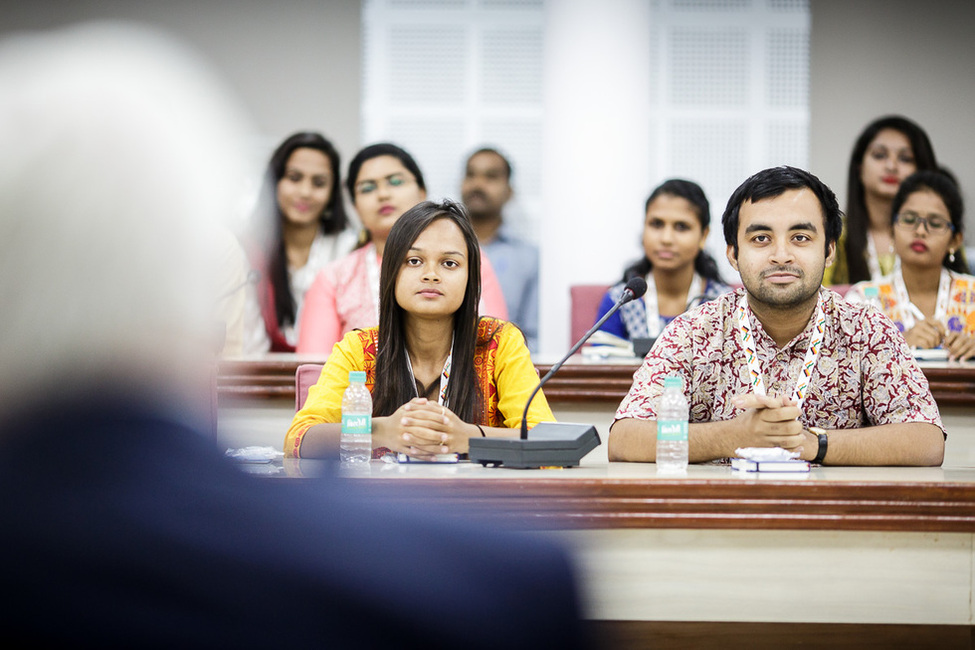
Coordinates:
(928,295)
(384,181)
(439,374)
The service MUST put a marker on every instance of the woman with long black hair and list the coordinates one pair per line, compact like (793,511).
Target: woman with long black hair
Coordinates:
(887,151)
(384,181)
(439,374)
(308,229)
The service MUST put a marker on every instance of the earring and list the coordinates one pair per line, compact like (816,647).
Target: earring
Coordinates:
(951,257)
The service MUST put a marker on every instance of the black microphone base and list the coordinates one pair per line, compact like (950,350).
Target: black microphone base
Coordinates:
(549,444)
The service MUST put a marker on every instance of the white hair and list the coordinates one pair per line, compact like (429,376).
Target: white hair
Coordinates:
(120,157)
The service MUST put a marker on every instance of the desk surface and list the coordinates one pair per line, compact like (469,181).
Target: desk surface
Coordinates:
(631,495)
(600,494)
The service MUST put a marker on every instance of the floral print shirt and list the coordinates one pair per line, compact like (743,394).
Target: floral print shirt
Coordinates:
(865,374)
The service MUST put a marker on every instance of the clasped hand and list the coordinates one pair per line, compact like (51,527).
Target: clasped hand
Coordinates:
(422,429)
(769,422)
(927,334)
(930,333)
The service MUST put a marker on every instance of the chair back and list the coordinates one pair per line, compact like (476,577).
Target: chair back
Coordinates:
(306,376)
(584,302)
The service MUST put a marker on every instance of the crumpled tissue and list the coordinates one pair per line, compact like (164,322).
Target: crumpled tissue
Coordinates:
(766,453)
(254,454)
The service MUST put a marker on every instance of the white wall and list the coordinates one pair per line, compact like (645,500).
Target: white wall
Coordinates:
(593,180)
(295,64)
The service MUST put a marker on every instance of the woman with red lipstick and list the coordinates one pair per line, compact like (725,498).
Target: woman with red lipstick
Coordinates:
(384,181)
(679,272)
(928,295)
(309,229)
(888,150)
(438,372)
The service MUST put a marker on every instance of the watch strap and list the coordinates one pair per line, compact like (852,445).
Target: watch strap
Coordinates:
(823,444)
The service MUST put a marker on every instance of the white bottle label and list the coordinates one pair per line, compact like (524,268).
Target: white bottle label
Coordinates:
(357,424)
(672,430)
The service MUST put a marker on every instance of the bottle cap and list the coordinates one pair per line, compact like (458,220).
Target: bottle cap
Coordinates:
(357,376)
(674,382)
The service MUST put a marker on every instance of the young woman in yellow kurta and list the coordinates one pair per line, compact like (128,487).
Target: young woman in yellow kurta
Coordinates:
(437,372)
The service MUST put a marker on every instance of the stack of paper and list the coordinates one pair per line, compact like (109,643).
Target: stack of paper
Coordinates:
(767,459)
(746,465)
(604,344)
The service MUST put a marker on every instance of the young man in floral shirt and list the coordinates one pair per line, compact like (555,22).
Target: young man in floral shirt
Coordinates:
(784,362)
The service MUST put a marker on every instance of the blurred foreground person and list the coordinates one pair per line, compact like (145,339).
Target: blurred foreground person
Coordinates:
(127,527)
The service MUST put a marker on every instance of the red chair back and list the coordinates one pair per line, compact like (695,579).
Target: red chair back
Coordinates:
(306,376)
(584,303)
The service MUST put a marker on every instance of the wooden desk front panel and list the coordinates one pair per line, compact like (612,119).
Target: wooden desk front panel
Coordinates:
(274,377)
(861,546)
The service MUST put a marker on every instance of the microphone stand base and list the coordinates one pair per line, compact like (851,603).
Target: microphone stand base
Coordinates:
(549,444)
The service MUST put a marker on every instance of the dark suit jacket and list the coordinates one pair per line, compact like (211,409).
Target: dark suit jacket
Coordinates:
(122,527)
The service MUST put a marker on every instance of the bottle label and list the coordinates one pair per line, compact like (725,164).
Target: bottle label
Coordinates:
(672,430)
(358,424)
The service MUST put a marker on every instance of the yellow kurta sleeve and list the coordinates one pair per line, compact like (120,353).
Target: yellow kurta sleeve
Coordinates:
(324,403)
(515,377)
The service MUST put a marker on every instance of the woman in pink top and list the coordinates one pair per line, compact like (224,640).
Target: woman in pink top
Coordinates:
(384,182)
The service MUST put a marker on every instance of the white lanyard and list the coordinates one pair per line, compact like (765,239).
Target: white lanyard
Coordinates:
(654,324)
(911,313)
(808,364)
(873,259)
(444,375)
(372,274)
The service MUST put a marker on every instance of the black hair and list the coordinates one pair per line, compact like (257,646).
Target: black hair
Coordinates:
(375,151)
(704,264)
(507,163)
(394,385)
(773,182)
(333,218)
(857,219)
(947,190)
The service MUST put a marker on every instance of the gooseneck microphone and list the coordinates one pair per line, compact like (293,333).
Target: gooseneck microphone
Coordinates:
(635,288)
(553,444)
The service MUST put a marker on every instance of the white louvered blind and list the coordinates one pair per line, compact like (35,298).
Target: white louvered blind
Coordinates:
(445,77)
(729,84)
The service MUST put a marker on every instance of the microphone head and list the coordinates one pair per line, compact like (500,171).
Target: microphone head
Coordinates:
(635,288)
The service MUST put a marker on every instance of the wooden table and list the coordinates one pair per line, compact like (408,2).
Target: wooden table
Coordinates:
(845,557)
(841,557)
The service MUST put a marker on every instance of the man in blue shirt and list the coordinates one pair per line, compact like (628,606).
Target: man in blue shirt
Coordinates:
(485,191)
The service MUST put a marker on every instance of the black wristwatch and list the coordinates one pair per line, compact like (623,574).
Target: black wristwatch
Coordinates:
(823,444)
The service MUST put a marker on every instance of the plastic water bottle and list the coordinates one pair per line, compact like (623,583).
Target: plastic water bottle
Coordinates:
(356,440)
(672,428)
